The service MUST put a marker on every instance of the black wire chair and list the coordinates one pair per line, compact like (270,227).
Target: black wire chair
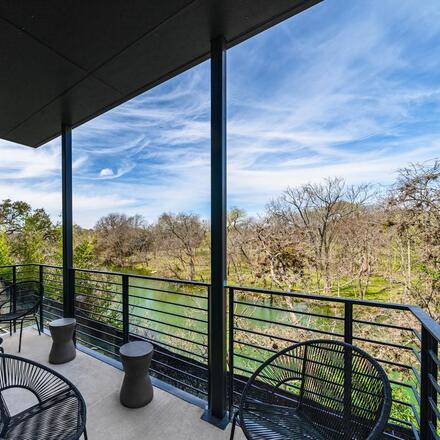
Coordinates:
(60,413)
(316,390)
(20,302)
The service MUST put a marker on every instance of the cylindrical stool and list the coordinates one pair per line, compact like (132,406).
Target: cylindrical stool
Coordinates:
(63,349)
(136,390)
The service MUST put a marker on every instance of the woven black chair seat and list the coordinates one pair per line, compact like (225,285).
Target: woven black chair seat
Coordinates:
(54,419)
(277,422)
(316,390)
(11,316)
(60,413)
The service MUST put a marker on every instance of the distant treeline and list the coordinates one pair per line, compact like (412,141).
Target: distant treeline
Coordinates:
(330,238)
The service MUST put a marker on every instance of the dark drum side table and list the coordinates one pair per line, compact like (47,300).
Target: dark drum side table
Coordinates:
(63,349)
(136,390)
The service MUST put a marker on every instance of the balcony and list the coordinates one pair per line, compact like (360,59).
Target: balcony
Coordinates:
(99,383)
(112,308)
(67,65)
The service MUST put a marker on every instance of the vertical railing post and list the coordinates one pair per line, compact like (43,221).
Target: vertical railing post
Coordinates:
(73,289)
(231,349)
(68,285)
(14,293)
(125,309)
(348,322)
(41,285)
(348,339)
(217,345)
(14,282)
(428,392)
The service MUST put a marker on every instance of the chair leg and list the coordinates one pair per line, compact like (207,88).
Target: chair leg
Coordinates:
(234,423)
(21,334)
(85,434)
(38,325)
(10,328)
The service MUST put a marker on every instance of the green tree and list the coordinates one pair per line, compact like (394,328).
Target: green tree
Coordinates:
(30,233)
(31,246)
(13,215)
(5,256)
(84,253)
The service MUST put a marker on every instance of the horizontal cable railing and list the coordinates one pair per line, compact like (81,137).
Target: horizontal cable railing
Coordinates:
(98,311)
(51,279)
(262,322)
(112,308)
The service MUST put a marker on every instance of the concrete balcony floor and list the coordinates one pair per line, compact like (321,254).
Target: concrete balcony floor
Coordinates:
(166,417)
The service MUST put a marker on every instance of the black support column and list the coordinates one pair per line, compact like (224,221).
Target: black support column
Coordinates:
(217,300)
(66,155)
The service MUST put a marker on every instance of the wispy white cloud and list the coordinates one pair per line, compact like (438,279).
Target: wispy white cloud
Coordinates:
(106,172)
(337,90)
(346,101)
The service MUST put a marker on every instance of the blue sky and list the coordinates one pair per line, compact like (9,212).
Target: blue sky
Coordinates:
(347,88)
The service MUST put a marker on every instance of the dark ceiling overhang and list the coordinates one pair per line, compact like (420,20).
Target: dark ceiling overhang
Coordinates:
(68,61)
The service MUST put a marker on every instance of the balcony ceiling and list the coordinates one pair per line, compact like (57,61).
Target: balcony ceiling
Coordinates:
(69,61)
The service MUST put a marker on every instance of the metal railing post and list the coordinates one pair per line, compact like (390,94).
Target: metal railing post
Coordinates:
(231,349)
(125,309)
(41,285)
(73,290)
(348,322)
(14,293)
(14,276)
(428,392)
(348,360)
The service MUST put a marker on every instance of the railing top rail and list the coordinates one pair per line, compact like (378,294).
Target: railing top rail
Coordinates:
(133,275)
(430,324)
(7,266)
(52,266)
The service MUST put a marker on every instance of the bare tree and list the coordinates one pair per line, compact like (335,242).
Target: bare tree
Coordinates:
(120,238)
(415,212)
(181,237)
(318,209)
(240,235)
(282,254)
(360,242)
